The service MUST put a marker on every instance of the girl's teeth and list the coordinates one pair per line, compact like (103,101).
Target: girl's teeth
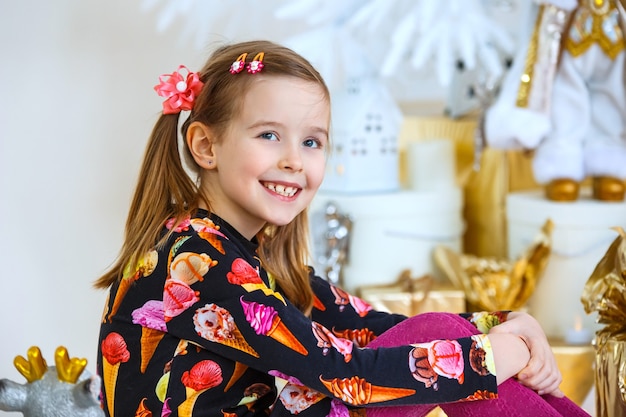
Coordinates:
(281,189)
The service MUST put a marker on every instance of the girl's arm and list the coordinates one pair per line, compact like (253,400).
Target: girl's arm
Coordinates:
(510,355)
(541,373)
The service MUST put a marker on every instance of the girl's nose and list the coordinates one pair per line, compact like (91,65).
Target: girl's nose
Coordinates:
(291,159)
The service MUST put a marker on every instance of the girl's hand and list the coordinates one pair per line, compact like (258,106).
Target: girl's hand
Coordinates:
(542,373)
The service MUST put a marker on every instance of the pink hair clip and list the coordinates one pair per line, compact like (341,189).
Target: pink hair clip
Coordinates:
(257,63)
(180,88)
(238,66)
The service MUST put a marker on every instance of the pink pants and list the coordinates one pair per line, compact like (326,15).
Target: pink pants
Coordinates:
(514,399)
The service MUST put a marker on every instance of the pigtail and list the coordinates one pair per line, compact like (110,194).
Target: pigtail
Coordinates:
(164,190)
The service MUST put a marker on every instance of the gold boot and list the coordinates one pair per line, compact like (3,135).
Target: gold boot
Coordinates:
(562,189)
(608,189)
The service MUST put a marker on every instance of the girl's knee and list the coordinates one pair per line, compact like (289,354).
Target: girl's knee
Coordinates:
(424,328)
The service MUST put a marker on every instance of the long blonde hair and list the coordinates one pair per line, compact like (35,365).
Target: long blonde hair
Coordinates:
(165,191)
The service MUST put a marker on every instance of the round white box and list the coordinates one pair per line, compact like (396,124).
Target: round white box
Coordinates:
(395,231)
(580,238)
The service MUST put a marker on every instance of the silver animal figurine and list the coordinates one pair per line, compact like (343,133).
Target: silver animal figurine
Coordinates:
(67,390)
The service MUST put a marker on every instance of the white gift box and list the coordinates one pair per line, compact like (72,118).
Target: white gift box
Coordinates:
(394,231)
(580,238)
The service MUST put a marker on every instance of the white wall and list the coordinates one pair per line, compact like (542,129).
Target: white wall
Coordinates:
(76,107)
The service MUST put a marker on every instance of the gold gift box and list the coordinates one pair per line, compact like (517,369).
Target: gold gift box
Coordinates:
(411,296)
(576,363)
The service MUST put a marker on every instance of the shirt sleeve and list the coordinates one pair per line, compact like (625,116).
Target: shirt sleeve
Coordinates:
(485,320)
(227,306)
(348,316)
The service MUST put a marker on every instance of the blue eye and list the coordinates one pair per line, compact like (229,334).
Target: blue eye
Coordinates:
(269,136)
(312,143)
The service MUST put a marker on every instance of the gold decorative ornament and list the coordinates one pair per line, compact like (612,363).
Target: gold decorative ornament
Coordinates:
(492,284)
(605,293)
(34,368)
(68,369)
(605,290)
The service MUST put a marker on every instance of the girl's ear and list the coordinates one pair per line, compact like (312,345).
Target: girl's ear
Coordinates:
(200,143)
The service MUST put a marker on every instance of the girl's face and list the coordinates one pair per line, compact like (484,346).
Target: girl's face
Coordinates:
(272,159)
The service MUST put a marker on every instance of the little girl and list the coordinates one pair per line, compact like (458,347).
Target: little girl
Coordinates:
(212,308)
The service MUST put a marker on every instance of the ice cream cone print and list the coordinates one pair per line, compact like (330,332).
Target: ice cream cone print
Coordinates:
(254,286)
(202,376)
(150,339)
(143,410)
(265,320)
(213,240)
(210,232)
(240,368)
(145,266)
(380,394)
(237,341)
(151,317)
(282,334)
(114,353)
(186,407)
(317,303)
(360,337)
(266,290)
(243,273)
(123,288)
(110,380)
(177,297)
(216,324)
(297,398)
(190,267)
(446,358)
(357,391)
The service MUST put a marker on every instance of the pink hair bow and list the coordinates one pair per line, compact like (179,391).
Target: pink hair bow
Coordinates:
(180,88)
